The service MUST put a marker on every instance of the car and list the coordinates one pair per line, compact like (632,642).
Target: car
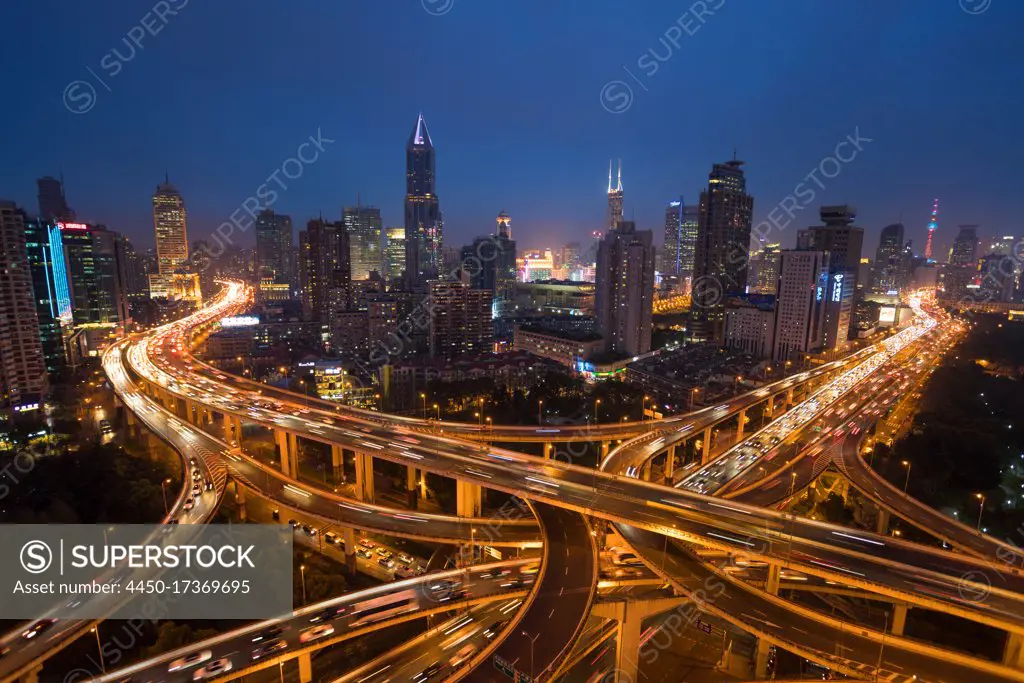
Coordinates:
(308,529)
(405,559)
(293,523)
(327,614)
(530,569)
(386,563)
(208,485)
(38,627)
(270,648)
(189,504)
(332,538)
(463,656)
(367,543)
(189,661)
(495,628)
(364,553)
(214,668)
(276,514)
(196,488)
(384,552)
(315,633)
(428,673)
(268,634)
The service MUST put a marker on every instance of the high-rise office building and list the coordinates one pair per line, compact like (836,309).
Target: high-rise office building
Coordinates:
(891,264)
(45,250)
(135,272)
(800,303)
(490,264)
(673,226)
(53,206)
(616,197)
(843,241)
(172,281)
(460,318)
(364,225)
(720,258)
(965,246)
(1002,245)
(424,226)
(394,254)
(96,267)
(766,277)
(624,295)
(328,271)
(572,259)
(275,272)
(23,377)
(998,277)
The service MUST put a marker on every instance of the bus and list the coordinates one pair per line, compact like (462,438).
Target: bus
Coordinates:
(378,609)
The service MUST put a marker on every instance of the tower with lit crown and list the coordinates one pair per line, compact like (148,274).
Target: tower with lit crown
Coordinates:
(423,223)
(933,225)
(615,197)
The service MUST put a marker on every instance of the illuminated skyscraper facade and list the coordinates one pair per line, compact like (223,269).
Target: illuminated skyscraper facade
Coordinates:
(364,225)
(394,254)
(616,196)
(424,227)
(275,273)
(624,296)
(45,249)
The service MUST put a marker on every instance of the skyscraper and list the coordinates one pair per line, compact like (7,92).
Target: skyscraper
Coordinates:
(394,254)
(23,378)
(96,269)
(53,206)
(767,277)
(624,296)
(843,241)
(169,223)
(460,318)
(274,269)
(424,227)
(490,264)
(723,240)
(615,197)
(673,235)
(891,266)
(800,303)
(327,267)
(933,225)
(364,225)
(45,250)
(965,246)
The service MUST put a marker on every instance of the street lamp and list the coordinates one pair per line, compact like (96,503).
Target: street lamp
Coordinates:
(532,641)
(423,397)
(597,404)
(540,414)
(302,572)
(99,648)
(438,409)
(981,507)
(643,409)
(908,465)
(736,384)
(692,392)
(163,490)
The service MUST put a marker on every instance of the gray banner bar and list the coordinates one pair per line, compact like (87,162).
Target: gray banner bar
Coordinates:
(136,571)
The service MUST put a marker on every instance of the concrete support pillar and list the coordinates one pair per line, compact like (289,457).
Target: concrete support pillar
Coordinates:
(469,499)
(774,577)
(705,451)
(287,446)
(1013,651)
(240,500)
(605,446)
(882,523)
(549,450)
(411,477)
(741,421)
(236,429)
(789,398)
(670,463)
(627,648)
(899,619)
(770,407)
(348,535)
(305,668)
(130,419)
(364,477)
(32,676)
(761,659)
(337,461)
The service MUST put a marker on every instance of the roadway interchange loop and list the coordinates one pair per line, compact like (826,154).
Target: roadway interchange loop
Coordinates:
(899,570)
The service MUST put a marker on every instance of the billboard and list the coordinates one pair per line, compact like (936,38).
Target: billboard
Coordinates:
(887,315)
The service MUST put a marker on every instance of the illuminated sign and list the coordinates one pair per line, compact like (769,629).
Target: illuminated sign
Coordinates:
(820,293)
(240,321)
(837,287)
(887,314)
(307,364)
(73,226)
(27,407)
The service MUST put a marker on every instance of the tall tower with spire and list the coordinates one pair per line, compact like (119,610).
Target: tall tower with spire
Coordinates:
(504,225)
(615,197)
(424,227)
(933,225)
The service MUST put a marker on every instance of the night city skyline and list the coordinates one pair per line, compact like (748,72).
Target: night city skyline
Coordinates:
(530,135)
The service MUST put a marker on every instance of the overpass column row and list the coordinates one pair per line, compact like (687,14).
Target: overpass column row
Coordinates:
(774,577)
(411,476)
(770,407)
(549,450)
(882,523)
(605,446)
(741,422)
(337,460)
(705,451)
(305,668)
(287,445)
(899,619)
(240,500)
(670,462)
(469,499)
(348,535)
(364,477)
(1013,652)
